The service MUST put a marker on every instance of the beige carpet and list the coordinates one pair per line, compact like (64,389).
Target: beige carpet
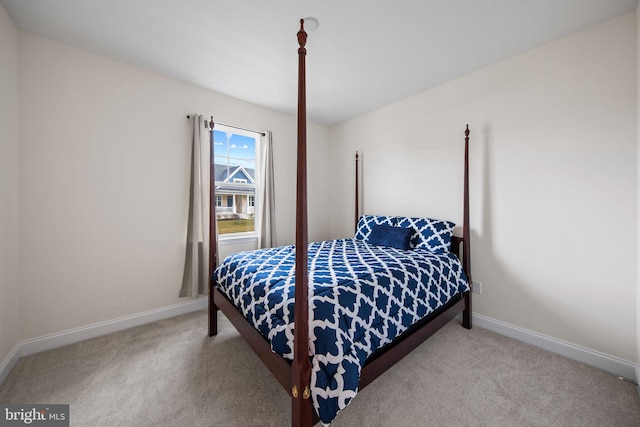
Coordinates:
(170,373)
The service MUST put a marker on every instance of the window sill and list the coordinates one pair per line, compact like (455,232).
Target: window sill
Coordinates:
(224,241)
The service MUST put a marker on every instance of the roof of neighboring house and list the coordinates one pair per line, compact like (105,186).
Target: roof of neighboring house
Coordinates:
(224,174)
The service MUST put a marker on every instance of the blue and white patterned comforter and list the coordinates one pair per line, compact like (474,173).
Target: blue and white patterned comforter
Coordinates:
(362,297)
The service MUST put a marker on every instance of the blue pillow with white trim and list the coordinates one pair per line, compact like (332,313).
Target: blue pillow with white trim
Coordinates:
(428,233)
(366,223)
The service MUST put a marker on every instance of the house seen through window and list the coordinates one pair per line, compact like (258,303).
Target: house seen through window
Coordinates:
(236,183)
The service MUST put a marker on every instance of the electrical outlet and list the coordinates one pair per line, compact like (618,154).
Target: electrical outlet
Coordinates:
(477,287)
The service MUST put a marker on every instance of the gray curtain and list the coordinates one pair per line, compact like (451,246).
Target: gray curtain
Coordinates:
(267,201)
(194,279)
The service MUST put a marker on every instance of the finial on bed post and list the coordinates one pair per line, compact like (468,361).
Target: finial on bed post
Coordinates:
(302,37)
(466,234)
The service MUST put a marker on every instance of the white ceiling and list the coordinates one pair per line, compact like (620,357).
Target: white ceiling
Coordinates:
(366,53)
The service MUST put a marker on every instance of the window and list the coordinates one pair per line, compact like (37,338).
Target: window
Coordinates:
(235,163)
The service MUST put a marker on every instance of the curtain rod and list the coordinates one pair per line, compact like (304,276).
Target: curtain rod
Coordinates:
(231,126)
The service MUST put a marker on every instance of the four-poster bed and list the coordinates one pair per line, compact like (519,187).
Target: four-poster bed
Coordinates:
(383,265)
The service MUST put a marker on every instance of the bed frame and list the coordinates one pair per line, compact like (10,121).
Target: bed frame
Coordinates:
(295,376)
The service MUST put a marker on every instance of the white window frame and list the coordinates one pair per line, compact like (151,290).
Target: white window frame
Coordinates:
(229,238)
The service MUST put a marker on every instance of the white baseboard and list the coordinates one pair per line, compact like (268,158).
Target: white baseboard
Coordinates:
(59,339)
(612,364)
(9,362)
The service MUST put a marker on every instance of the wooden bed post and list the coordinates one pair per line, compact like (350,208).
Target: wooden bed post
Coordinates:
(466,235)
(213,244)
(301,409)
(357,193)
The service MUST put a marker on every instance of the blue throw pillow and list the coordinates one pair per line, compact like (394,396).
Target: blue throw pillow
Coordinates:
(394,237)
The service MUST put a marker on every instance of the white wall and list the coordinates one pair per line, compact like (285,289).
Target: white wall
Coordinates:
(554,189)
(104,169)
(9,188)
